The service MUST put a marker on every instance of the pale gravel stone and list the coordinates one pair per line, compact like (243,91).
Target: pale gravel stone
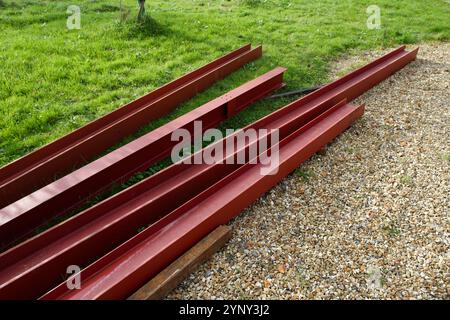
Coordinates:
(372,222)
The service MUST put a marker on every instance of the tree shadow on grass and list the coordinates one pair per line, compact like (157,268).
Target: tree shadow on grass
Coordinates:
(148,27)
(107,8)
(23,4)
(8,5)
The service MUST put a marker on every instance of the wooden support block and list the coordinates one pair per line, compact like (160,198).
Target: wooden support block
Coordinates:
(167,280)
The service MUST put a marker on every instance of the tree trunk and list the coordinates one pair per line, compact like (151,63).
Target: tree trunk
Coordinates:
(141,13)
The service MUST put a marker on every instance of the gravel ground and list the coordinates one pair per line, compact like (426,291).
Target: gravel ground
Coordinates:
(366,218)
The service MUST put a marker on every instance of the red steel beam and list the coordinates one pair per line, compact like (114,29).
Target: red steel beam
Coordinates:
(62,243)
(129,266)
(38,168)
(25,215)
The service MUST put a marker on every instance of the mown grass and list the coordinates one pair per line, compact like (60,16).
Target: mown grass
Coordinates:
(53,80)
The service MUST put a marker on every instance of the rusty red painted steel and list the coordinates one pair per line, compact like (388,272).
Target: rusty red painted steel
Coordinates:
(56,198)
(45,240)
(99,229)
(38,168)
(129,266)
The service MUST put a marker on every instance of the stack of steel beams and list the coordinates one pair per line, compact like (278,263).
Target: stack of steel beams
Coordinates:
(58,197)
(179,205)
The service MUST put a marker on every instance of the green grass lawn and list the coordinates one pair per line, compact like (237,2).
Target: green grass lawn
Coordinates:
(53,80)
